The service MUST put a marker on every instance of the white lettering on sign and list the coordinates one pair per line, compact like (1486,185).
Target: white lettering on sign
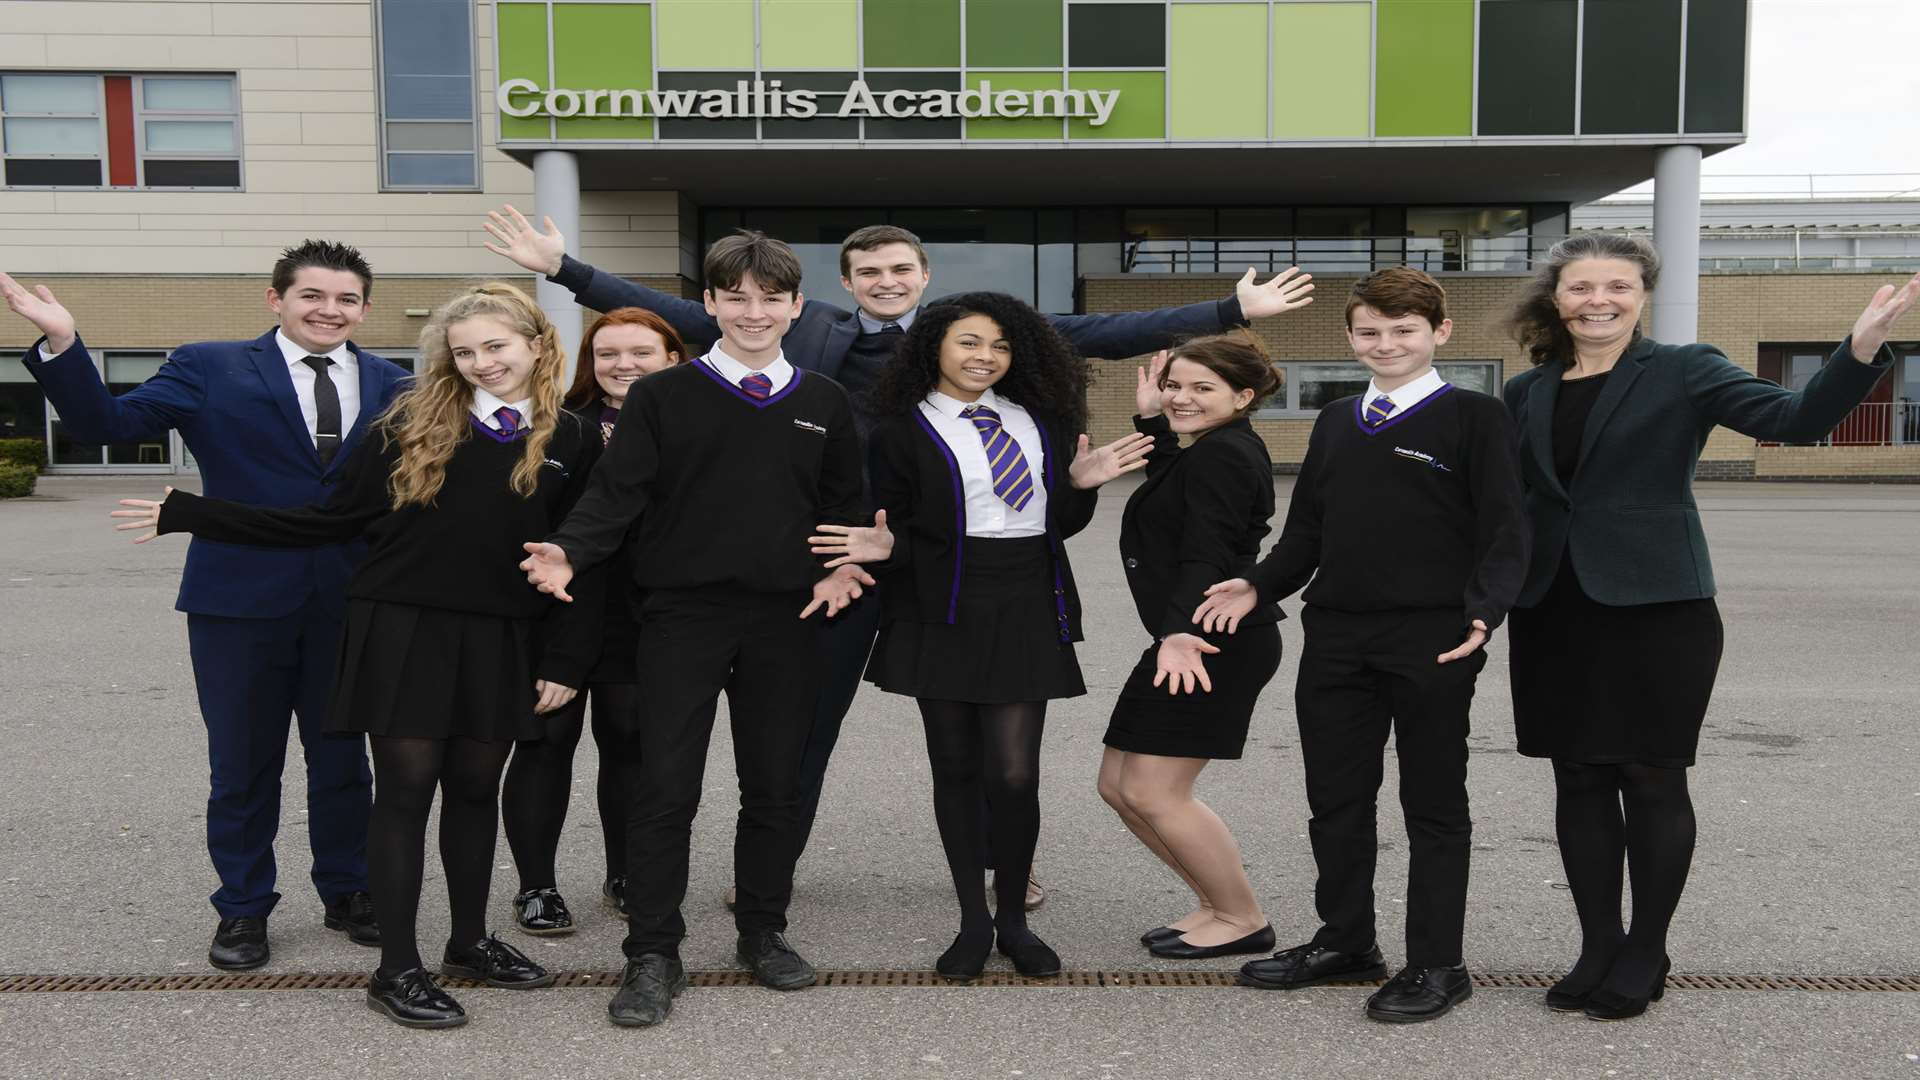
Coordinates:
(767,99)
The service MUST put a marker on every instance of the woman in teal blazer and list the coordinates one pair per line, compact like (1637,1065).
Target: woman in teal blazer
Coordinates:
(1616,639)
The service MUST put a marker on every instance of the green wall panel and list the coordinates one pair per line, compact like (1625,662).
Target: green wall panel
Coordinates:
(522,32)
(603,45)
(1716,65)
(1321,76)
(1527,59)
(706,33)
(1013,33)
(1424,74)
(1630,67)
(1141,112)
(809,34)
(1217,72)
(1015,129)
(912,33)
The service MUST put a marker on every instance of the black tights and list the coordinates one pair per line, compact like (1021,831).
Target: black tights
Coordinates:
(987,754)
(533,804)
(405,774)
(1605,812)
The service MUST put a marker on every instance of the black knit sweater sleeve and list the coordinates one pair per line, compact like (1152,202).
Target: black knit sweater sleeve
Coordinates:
(620,487)
(890,466)
(1220,485)
(1166,445)
(359,500)
(1502,535)
(1293,560)
(571,631)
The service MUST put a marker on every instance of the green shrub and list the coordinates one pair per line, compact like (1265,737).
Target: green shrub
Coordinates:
(16,480)
(24,452)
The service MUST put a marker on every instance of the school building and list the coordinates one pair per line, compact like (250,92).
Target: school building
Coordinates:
(1086,155)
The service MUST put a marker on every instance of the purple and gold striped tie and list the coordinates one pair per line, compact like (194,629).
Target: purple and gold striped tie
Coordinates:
(1379,410)
(1012,479)
(509,419)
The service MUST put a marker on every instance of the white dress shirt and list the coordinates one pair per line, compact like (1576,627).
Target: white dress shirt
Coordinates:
(988,515)
(485,405)
(779,372)
(1406,397)
(871,325)
(344,374)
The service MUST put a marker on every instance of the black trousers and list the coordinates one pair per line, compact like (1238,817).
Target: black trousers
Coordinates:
(694,645)
(1362,675)
(844,642)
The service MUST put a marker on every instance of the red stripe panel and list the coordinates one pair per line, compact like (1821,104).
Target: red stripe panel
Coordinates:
(121,160)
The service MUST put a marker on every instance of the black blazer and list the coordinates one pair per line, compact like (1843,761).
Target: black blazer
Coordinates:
(916,480)
(1198,519)
(1628,515)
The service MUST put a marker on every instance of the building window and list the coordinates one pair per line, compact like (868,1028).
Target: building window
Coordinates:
(188,131)
(124,370)
(54,132)
(91,131)
(1306,387)
(429,140)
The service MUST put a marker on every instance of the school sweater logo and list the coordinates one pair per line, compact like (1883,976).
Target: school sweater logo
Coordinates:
(809,426)
(1421,457)
(556,465)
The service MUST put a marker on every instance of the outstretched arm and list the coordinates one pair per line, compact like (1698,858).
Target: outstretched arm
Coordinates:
(544,251)
(65,371)
(1131,333)
(360,499)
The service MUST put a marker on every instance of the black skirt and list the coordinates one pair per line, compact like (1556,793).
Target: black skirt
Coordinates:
(1004,643)
(1601,685)
(428,673)
(1148,720)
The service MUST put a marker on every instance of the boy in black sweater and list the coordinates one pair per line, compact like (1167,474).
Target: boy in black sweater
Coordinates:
(728,463)
(1407,517)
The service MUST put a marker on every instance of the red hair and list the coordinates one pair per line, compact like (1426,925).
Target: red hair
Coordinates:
(585,387)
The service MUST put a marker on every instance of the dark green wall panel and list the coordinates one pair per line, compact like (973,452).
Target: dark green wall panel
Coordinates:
(912,33)
(1013,33)
(1630,68)
(1716,65)
(1527,55)
(1116,35)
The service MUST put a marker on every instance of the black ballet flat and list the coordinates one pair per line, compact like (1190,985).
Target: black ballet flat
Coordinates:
(1159,933)
(1179,948)
(1031,956)
(966,958)
(1606,1004)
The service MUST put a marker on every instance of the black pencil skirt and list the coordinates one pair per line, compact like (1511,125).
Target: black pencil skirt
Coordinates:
(428,673)
(1148,720)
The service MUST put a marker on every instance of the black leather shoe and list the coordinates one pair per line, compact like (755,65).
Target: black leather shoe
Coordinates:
(495,963)
(353,914)
(412,999)
(966,958)
(613,893)
(774,962)
(647,989)
(1607,1003)
(1416,994)
(1157,933)
(1031,956)
(239,943)
(1178,947)
(1311,965)
(542,912)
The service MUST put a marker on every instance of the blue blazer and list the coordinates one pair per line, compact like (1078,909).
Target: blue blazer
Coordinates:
(233,403)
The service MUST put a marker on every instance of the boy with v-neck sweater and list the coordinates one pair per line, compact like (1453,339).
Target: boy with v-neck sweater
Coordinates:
(1407,518)
(728,463)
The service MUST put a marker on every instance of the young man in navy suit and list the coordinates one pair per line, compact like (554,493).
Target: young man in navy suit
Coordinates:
(270,422)
(885,269)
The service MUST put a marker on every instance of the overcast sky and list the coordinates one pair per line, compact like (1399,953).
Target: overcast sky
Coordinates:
(1835,88)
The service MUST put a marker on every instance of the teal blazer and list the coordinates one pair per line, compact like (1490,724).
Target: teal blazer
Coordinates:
(1628,515)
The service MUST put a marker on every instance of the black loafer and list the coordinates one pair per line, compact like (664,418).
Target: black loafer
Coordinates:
(1606,1003)
(775,965)
(613,893)
(1178,947)
(495,963)
(966,958)
(1031,957)
(239,943)
(647,989)
(1310,965)
(353,914)
(1159,932)
(412,999)
(1416,994)
(542,912)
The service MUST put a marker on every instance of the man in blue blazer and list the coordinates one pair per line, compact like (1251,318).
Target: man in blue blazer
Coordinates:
(885,269)
(270,422)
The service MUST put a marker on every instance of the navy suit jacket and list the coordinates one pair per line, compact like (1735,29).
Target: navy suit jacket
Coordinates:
(820,337)
(234,405)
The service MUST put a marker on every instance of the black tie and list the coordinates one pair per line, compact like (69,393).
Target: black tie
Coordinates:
(326,400)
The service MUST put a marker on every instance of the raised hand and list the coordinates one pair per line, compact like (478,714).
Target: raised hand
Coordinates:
(1871,329)
(42,310)
(1225,605)
(1146,394)
(551,695)
(144,515)
(548,569)
(1475,638)
(1178,663)
(1278,295)
(1090,469)
(838,589)
(854,543)
(537,251)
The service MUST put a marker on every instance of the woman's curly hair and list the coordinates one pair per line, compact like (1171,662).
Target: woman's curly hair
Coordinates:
(1046,376)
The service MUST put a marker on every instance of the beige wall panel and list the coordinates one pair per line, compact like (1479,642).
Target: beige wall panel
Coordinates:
(340,52)
(159,52)
(276,153)
(350,129)
(63,17)
(311,176)
(505,176)
(77,225)
(23,50)
(307,80)
(270,128)
(296,101)
(633,260)
(302,19)
(305,224)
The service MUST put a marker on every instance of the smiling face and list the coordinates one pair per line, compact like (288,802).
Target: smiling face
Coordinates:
(492,356)
(974,355)
(752,319)
(623,352)
(1197,399)
(1396,348)
(886,281)
(319,311)
(1599,301)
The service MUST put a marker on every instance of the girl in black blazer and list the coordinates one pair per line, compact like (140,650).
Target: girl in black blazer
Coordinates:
(1616,638)
(971,462)
(1198,519)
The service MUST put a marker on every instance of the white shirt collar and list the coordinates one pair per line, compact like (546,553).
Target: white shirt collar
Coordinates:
(485,405)
(871,325)
(1406,397)
(780,372)
(953,406)
(294,354)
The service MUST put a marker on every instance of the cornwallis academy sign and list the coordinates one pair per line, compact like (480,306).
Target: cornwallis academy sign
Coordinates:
(766,99)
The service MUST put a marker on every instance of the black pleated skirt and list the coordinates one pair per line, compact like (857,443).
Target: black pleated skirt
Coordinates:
(1601,685)
(428,673)
(1004,643)
(1148,720)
